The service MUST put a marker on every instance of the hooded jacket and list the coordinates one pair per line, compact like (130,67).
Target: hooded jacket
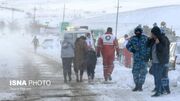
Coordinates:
(67,47)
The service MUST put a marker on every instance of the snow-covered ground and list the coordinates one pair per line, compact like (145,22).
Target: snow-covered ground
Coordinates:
(129,20)
(123,82)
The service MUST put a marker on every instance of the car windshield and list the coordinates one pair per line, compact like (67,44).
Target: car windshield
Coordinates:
(80,34)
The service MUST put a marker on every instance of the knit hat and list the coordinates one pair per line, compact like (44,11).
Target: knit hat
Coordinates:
(109,29)
(156,31)
(138,29)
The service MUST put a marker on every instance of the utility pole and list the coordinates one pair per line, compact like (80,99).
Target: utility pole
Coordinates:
(64,11)
(34,17)
(117,18)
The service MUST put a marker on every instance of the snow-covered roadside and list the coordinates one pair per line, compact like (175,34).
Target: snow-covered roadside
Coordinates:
(123,83)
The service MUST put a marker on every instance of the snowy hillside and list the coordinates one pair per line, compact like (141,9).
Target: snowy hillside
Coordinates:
(128,20)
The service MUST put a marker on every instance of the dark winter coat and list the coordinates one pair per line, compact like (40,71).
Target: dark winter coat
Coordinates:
(162,49)
(35,41)
(91,58)
(168,48)
(80,53)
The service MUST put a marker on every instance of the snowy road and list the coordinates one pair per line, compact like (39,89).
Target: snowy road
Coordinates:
(36,67)
(30,66)
(18,62)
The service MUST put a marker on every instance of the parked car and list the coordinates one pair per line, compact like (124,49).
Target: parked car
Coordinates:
(50,42)
(77,34)
(174,54)
(47,43)
(177,52)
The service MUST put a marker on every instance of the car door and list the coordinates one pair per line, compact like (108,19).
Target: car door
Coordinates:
(172,59)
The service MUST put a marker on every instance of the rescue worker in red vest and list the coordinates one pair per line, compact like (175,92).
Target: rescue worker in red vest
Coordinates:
(107,45)
(126,53)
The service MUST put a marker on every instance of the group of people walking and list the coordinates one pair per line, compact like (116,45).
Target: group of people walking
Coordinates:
(81,54)
(143,49)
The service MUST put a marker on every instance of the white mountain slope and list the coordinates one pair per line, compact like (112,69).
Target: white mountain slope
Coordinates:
(128,20)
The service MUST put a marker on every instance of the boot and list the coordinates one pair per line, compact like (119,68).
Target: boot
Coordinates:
(81,78)
(163,90)
(110,78)
(77,77)
(93,77)
(89,79)
(106,79)
(65,78)
(154,90)
(156,94)
(167,89)
(140,87)
(69,77)
(136,88)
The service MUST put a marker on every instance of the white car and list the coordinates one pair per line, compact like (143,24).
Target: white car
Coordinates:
(174,54)
(77,34)
(50,42)
(177,52)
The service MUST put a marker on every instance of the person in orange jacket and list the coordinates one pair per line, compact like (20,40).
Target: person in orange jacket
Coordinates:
(126,53)
(107,45)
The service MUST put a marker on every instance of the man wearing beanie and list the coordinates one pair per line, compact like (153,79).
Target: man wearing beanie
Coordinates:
(159,48)
(138,46)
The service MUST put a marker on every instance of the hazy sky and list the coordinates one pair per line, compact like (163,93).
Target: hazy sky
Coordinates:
(89,5)
(110,5)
